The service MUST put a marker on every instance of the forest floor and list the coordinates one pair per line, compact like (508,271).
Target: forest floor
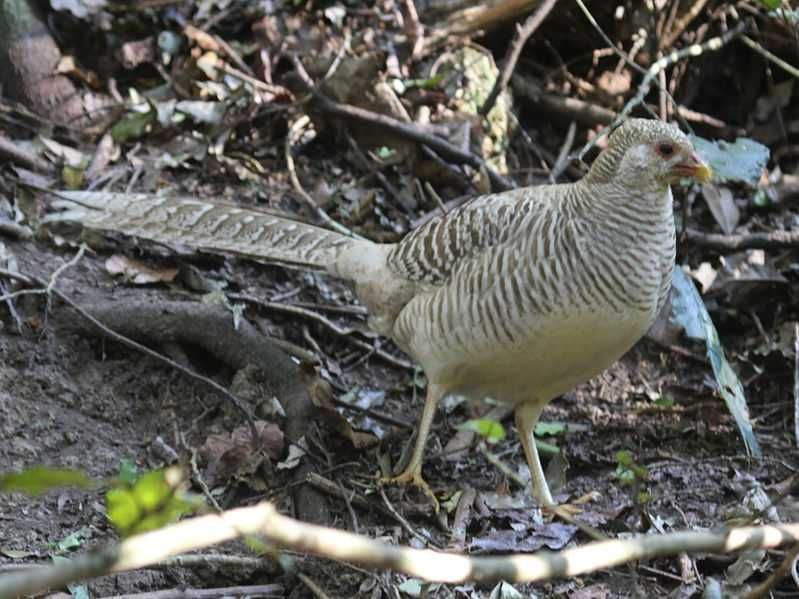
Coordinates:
(71,398)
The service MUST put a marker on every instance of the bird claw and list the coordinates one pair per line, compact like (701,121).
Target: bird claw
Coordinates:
(414,478)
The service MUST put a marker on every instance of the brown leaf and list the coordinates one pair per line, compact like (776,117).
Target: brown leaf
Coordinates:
(722,205)
(322,397)
(137,272)
(233,455)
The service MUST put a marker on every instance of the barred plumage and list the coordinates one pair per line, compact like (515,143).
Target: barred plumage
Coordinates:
(518,296)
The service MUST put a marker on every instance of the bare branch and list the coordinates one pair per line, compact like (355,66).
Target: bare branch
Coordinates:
(288,533)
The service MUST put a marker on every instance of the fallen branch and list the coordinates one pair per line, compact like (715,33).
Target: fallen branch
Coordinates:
(17,154)
(523,33)
(774,240)
(288,533)
(590,115)
(480,16)
(259,590)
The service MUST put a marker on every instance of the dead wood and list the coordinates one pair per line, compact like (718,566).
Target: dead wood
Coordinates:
(210,328)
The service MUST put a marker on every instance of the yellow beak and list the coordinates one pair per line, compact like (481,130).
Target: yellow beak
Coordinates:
(695,168)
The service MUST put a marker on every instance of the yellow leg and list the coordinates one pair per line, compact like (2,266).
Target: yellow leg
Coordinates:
(526,418)
(413,473)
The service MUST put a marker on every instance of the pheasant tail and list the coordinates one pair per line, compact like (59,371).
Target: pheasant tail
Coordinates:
(204,225)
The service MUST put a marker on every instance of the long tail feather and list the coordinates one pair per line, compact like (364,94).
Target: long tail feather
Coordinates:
(203,225)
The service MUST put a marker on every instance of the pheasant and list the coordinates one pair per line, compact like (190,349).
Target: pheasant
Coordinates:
(518,296)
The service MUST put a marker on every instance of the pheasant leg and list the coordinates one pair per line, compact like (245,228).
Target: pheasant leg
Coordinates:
(527,415)
(412,475)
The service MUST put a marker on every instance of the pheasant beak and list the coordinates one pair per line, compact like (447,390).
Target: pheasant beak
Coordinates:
(693,167)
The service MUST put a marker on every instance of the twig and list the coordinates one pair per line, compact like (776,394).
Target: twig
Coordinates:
(405,130)
(346,333)
(790,69)
(198,478)
(682,23)
(17,154)
(204,561)
(312,586)
(295,130)
(403,522)
(785,568)
(48,288)
(562,161)
(415,29)
(523,33)
(257,590)
(329,487)
(12,229)
(288,533)
(501,466)
(796,385)
(773,240)
(652,72)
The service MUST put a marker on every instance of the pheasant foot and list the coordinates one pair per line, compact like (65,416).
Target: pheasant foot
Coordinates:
(412,476)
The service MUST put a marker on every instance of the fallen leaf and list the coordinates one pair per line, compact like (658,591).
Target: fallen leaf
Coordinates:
(742,161)
(689,311)
(722,205)
(138,273)
(233,456)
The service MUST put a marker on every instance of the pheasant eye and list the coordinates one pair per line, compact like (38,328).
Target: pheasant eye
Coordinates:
(666,150)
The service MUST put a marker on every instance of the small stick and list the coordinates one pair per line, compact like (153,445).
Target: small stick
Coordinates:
(693,50)
(293,135)
(312,586)
(786,567)
(406,130)
(523,33)
(773,240)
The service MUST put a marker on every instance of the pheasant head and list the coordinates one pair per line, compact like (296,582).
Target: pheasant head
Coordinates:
(648,155)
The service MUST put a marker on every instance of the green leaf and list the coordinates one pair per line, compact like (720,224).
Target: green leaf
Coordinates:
(742,161)
(152,490)
(39,479)
(625,458)
(70,542)
(128,473)
(664,402)
(771,4)
(79,591)
(133,126)
(121,509)
(543,429)
(154,500)
(688,310)
(492,430)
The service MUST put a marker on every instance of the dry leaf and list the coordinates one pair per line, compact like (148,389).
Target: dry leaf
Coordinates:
(137,272)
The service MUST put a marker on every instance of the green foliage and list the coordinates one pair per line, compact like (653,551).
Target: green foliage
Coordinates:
(133,126)
(771,4)
(40,479)
(491,430)
(71,541)
(153,500)
(543,429)
(664,401)
(632,474)
(689,311)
